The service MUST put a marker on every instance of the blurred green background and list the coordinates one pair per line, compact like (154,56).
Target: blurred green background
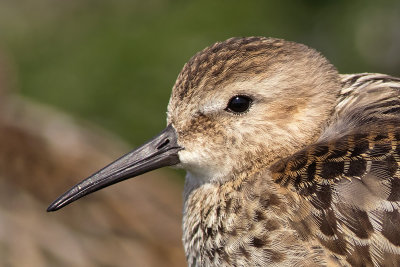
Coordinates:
(115,62)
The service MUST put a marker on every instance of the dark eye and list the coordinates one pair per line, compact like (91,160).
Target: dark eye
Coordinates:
(239,104)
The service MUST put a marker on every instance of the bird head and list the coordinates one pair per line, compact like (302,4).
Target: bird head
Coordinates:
(239,104)
(236,106)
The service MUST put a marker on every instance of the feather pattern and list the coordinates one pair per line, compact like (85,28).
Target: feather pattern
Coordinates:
(348,182)
(308,176)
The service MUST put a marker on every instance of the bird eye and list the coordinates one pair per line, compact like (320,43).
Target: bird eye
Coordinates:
(239,104)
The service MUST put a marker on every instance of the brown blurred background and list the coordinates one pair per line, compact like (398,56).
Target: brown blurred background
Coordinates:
(82,82)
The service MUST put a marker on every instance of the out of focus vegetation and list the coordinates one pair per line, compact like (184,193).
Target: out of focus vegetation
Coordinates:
(115,62)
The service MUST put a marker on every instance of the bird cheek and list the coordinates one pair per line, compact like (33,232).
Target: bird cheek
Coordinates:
(193,161)
(202,163)
(193,158)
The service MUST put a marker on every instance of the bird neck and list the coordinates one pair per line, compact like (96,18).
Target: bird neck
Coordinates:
(236,223)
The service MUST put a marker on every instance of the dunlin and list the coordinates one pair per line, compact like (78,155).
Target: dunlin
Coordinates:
(288,162)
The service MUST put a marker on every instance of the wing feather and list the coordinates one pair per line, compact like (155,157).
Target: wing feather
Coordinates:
(346,186)
(351,187)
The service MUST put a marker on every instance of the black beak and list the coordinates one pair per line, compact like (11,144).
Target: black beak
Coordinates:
(159,152)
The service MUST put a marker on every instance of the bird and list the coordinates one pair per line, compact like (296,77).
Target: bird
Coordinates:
(288,162)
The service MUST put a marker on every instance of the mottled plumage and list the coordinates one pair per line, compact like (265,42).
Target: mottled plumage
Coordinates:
(336,199)
(307,176)
(349,181)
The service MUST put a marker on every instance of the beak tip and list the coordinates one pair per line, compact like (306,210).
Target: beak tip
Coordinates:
(53,207)
(50,209)
(57,204)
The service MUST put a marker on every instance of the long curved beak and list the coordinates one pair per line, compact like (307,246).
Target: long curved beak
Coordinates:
(160,151)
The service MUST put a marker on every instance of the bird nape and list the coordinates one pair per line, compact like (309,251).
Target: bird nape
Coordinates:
(288,162)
